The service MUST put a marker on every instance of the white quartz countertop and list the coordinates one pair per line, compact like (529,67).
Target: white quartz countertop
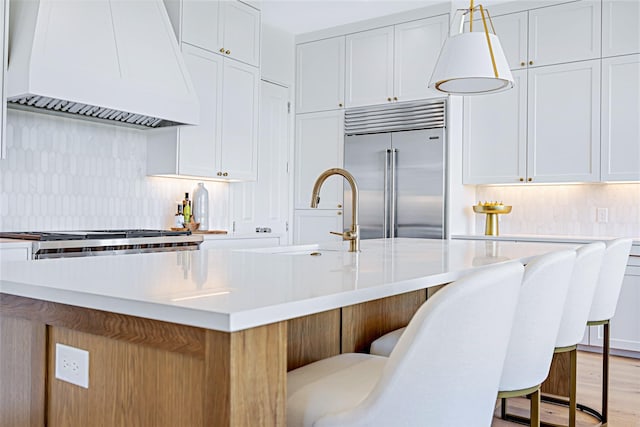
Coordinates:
(231,290)
(635,250)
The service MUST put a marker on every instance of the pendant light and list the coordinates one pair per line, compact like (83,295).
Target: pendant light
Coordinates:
(472,63)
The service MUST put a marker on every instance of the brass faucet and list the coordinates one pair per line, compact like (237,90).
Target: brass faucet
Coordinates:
(352,235)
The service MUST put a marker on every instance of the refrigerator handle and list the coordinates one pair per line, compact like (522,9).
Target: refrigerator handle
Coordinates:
(387,193)
(393,196)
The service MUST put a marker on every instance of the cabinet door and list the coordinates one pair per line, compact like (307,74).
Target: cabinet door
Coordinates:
(564,33)
(320,75)
(625,324)
(512,32)
(417,47)
(200,24)
(319,146)
(495,135)
(620,113)
(564,123)
(370,67)
(238,149)
(197,144)
(620,29)
(265,202)
(314,225)
(240,32)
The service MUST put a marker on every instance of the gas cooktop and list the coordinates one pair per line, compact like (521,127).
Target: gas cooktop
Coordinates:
(46,236)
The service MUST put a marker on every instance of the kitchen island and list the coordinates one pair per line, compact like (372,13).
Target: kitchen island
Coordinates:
(206,337)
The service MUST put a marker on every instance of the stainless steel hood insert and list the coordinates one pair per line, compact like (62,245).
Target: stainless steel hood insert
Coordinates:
(114,60)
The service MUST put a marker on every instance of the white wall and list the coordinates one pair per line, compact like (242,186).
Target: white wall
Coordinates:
(565,209)
(67,174)
(277,56)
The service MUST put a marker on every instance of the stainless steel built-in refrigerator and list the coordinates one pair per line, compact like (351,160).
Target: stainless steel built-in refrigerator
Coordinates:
(397,155)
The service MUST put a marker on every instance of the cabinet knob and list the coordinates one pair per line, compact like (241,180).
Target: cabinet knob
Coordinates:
(530,62)
(339,205)
(522,64)
(529,179)
(219,174)
(340,104)
(339,213)
(225,174)
(395,98)
(227,52)
(521,179)
(389,99)
(221,50)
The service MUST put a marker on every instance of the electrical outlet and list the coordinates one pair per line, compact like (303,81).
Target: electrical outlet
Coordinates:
(72,365)
(602,215)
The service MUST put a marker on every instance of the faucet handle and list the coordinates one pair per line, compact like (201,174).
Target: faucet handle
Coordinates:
(347,235)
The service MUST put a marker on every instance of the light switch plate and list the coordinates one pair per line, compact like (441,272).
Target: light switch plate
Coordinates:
(72,365)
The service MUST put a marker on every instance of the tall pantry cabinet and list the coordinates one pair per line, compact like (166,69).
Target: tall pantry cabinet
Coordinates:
(220,42)
(319,137)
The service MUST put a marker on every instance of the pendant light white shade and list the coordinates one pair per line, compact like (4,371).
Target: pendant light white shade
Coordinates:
(472,63)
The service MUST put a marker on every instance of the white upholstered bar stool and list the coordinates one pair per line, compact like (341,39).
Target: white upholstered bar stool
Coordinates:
(603,308)
(447,356)
(574,317)
(535,329)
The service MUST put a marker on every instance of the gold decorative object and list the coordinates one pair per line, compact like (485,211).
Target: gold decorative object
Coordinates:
(492,209)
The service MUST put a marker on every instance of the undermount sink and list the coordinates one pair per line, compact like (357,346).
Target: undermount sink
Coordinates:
(311,250)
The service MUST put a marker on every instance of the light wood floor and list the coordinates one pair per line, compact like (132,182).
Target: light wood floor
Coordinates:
(624,394)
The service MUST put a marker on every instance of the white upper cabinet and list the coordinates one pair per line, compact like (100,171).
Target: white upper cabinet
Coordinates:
(564,33)
(319,146)
(620,113)
(620,29)
(320,75)
(549,35)
(495,135)
(224,145)
(200,24)
(239,143)
(393,63)
(229,28)
(512,32)
(549,122)
(417,47)
(240,32)
(369,67)
(564,123)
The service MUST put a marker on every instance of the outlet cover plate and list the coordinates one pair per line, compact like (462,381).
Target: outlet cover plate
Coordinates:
(72,365)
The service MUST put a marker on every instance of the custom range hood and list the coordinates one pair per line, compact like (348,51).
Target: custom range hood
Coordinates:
(105,60)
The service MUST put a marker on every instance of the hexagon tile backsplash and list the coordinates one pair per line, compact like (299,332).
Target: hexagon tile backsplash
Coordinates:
(65,174)
(566,209)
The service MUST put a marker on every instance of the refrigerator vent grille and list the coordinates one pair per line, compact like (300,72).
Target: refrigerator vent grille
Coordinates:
(395,117)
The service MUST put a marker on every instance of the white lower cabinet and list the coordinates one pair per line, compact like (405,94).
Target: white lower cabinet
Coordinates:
(315,225)
(625,324)
(15,254)
(224,145)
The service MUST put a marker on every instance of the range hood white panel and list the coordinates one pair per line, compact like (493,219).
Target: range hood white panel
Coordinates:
(120,55)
